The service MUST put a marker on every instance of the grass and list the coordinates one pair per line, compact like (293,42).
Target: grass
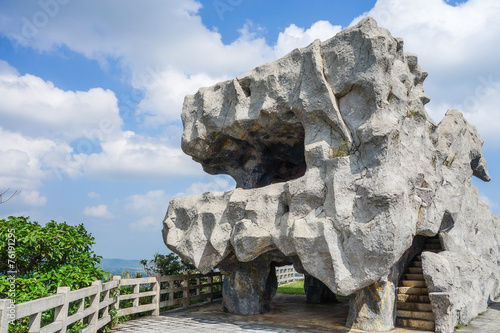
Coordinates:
(341,151)
(295,288)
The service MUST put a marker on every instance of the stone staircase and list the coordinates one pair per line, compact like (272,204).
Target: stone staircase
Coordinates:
(413,305)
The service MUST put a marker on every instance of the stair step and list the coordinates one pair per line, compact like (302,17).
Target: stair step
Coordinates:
(415,323)
(413,298)
(432,241)
(425,315)
(432,246)
(413,283)
(413,291)
(416,263)
(418,258)
(432,250)
(415,270)
(414,277)
(412,306)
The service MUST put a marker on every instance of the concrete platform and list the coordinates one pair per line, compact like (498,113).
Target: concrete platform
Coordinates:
(289,313)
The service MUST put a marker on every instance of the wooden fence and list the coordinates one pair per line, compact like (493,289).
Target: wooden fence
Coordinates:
(136,295)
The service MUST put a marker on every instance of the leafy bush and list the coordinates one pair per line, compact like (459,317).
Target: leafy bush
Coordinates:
(44,258)
(166,264)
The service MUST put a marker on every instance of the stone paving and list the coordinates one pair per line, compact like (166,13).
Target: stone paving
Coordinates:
(289,313)
(488,322)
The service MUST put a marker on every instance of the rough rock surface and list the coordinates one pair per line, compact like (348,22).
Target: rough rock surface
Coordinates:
(373,308)
(317,292)
(339,168)
(249,286)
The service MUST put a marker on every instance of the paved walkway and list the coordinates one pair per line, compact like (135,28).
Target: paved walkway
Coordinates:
(289,313)
(487,322)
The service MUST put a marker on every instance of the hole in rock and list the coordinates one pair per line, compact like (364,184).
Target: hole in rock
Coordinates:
(447,223)
(245,86)
(270,150)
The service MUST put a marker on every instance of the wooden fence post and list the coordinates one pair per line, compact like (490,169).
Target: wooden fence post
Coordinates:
(211,285)
(94,303)
(61,312)
(156,298)
(136,291)
(116,303)
(35,322)
(4,319)
(106,298)
(61,303)
(185,292)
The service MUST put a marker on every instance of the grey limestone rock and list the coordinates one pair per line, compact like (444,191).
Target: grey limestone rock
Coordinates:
(317,292)
(339,168)
(249,286)
(373,308)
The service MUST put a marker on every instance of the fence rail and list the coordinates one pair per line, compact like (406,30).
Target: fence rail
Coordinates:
(146,294)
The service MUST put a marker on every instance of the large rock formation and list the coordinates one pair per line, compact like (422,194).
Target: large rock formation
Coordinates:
(340,170)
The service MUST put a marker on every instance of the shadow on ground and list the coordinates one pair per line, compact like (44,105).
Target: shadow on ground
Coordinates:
(289,313)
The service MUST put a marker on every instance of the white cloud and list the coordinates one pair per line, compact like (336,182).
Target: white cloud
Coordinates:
(165,94)
(43,120)
(151,201)
(182,54)
(152,206)
(93,195)
(37,108)
(150,209)
(294,37)
(451,42)
(165,33)
(146,224)
(33,198)
(100,211)
(493,205)
(134,156)
(218,184)
(458,46)
(26,160)
(165,89)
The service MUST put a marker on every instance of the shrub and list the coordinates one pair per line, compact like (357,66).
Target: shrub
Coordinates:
(43,258)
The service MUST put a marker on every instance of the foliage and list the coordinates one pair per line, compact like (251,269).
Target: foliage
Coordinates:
(49,249)
(296,288)
(43,258)
(449,161)
(341,151)
(169,264)
(126,274)
(412,112)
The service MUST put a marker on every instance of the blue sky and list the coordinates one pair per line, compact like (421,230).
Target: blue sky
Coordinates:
(91,94)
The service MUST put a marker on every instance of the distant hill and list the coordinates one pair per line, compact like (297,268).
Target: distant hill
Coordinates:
(117,266)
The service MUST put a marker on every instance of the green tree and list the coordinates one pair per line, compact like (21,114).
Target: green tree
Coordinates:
(43,258)
(166,264)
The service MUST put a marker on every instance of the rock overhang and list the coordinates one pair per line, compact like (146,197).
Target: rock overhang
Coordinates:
(339,164)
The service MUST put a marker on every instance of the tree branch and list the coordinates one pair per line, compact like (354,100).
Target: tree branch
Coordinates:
(16,192)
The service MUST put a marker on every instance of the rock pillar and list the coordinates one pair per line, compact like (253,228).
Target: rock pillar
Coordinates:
(249,286)
(317,291)
(374,307)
